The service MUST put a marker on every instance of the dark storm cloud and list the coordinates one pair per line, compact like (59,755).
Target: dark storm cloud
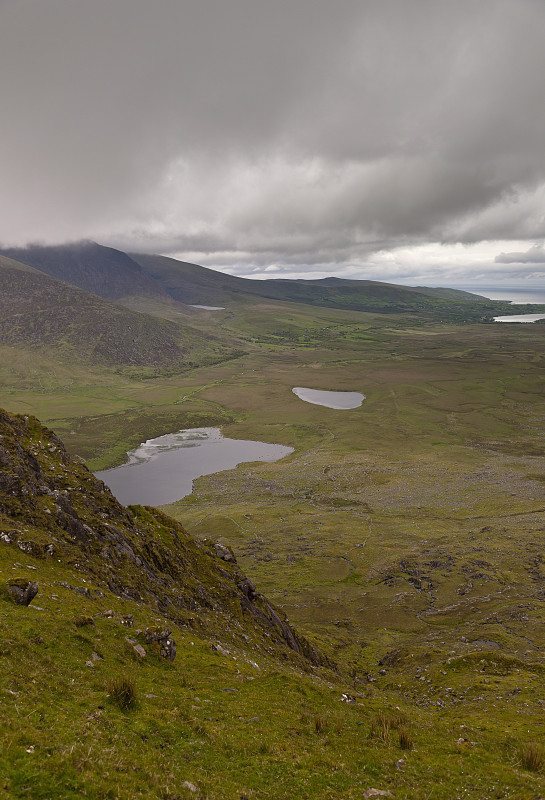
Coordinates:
(273,133)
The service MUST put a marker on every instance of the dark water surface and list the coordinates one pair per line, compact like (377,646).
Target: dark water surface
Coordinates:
(162,470)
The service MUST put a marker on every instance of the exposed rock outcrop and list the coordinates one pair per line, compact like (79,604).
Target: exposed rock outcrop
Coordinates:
(22,591)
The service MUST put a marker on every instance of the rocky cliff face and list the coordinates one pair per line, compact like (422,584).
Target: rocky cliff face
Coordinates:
(53,508)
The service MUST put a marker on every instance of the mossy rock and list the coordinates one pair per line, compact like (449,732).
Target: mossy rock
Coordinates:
(22,591)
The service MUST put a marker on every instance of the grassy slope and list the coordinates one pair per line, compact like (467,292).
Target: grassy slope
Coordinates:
(411,525)
(54,507)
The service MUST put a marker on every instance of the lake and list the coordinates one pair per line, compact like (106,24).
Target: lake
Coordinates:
(162,470)
(520,318)
(321,397)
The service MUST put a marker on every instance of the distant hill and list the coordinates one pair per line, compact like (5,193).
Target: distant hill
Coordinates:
(451,294)
(190,283)
(345,283)
(193,284)
(37,311)
(101,270)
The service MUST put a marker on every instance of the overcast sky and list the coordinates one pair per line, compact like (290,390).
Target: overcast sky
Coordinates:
(397,140)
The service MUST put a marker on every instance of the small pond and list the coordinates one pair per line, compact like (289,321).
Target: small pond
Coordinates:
(520,318)
(162,470)
(208,308)
(321,397)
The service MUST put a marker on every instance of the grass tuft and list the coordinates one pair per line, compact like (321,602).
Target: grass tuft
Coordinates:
(532,757)
(81,620)
(199,728)
(122,692)
(320,723)
(405,739)
(383,722)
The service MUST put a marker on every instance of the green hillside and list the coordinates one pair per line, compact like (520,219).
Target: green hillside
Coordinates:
(53,507)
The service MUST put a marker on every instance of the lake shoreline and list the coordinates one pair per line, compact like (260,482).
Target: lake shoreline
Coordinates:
(162,470)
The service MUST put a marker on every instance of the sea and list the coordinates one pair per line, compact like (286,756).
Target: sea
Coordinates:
(518,295)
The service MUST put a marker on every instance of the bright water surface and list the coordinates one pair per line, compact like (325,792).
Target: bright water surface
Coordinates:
(162,470)
(320,397)
(519,298)
(209,308)
(516,295)
(520,318)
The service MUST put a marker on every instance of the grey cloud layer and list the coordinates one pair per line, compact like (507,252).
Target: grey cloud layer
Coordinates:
(248,133)
(535,255)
